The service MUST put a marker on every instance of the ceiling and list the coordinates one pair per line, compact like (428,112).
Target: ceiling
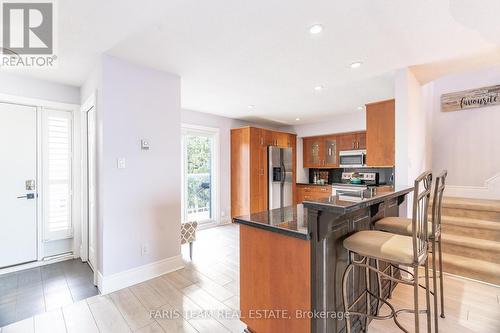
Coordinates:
(234,53)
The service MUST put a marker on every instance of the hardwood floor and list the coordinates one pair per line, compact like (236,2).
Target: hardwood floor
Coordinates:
(211,283)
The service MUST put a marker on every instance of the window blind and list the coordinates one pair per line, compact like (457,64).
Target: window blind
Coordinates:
(56,174)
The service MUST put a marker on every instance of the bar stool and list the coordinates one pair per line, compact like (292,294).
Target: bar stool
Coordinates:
(410,251)
(403,226)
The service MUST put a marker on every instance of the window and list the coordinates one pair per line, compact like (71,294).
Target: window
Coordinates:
(56,174)
(199,174)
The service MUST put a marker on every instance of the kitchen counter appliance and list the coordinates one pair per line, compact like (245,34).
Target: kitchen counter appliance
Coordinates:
(364,180)
(352,158)
(280,191)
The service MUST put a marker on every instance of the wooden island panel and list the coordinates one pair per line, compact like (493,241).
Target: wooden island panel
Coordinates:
(275,274)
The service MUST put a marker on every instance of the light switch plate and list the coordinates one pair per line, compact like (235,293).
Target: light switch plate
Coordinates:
(144,144)
(121,163)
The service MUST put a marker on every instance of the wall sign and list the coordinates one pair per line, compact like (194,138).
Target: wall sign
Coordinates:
(470,99)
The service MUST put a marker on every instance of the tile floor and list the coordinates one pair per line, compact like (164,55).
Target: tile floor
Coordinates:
(37,290)
(211,282)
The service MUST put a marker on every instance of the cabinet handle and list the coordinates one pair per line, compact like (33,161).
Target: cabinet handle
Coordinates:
(353,143)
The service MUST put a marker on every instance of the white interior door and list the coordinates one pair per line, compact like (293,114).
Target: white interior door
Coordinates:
(91,180)
(18,199)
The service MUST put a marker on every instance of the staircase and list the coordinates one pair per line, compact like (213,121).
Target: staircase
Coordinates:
(471,238)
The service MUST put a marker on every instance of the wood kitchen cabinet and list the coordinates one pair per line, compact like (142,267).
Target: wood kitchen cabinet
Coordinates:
(313,152)
(330,151)
(352,141)
(278,139)
(249,163)
(347,141)
(323,151)
(312,192)
(380,133)
(361,140)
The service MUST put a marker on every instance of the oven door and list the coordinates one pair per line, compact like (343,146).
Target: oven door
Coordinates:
(352,159)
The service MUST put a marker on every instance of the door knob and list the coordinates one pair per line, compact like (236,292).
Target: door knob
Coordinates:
(27,196)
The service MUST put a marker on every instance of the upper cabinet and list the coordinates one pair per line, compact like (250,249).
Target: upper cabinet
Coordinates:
(313,151)
(278,139)
(361,140)
(380,133)
(323,151)
(352,141)
(331,150)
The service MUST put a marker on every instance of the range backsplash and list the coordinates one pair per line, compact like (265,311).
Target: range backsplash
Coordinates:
(386,175)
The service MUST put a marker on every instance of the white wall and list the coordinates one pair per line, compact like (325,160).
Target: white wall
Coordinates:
(413,132)
(224,125)
(467,142)
(349,122)
(139,205)
(24,86)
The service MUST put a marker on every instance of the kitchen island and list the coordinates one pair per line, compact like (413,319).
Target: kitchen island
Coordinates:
(292,261)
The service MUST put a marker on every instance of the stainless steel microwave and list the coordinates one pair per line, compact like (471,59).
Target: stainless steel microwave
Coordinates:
(352,158)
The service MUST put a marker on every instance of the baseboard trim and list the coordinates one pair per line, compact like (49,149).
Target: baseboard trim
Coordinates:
(490,190)
(39,263)
(110,283)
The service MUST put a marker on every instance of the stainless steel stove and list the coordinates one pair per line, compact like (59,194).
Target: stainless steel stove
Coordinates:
(347,187)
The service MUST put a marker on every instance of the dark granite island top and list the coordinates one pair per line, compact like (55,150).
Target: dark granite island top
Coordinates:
(293,259)
(292,220)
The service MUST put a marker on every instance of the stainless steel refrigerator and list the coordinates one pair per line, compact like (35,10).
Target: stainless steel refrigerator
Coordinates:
(280,191)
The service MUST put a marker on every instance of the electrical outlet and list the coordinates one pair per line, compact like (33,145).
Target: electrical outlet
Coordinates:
(144,249)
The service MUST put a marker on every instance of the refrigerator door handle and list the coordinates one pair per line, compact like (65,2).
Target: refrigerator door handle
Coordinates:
(283,173)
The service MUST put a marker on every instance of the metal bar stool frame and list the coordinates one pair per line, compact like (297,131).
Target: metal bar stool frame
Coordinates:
(435,248)
(420,240)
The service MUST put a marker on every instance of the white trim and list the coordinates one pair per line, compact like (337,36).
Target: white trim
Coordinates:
(216,182)
(109,283)
(34,264)
(490,190)
(88,105)
(38,102)
(69,233)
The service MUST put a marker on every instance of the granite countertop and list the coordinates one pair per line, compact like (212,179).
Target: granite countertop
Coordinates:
(291,221)
(345,204)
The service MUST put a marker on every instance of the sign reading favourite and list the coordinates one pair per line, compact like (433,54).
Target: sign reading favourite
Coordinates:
(470,99)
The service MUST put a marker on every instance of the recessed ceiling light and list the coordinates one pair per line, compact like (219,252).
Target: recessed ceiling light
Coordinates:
(251,106)
(356,64)
(297,119)
(319,88)
(315,29)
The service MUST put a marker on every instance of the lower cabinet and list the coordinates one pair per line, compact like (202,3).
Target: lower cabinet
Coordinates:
(312,192)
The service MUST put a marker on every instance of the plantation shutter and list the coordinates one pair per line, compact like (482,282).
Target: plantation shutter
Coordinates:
(56,174)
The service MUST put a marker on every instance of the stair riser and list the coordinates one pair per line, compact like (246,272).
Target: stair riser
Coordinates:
(472,274)
(470,252)
(474,214)
(451,229)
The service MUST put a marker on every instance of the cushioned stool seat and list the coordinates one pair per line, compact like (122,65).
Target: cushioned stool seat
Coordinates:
(382,245)
(399,225)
